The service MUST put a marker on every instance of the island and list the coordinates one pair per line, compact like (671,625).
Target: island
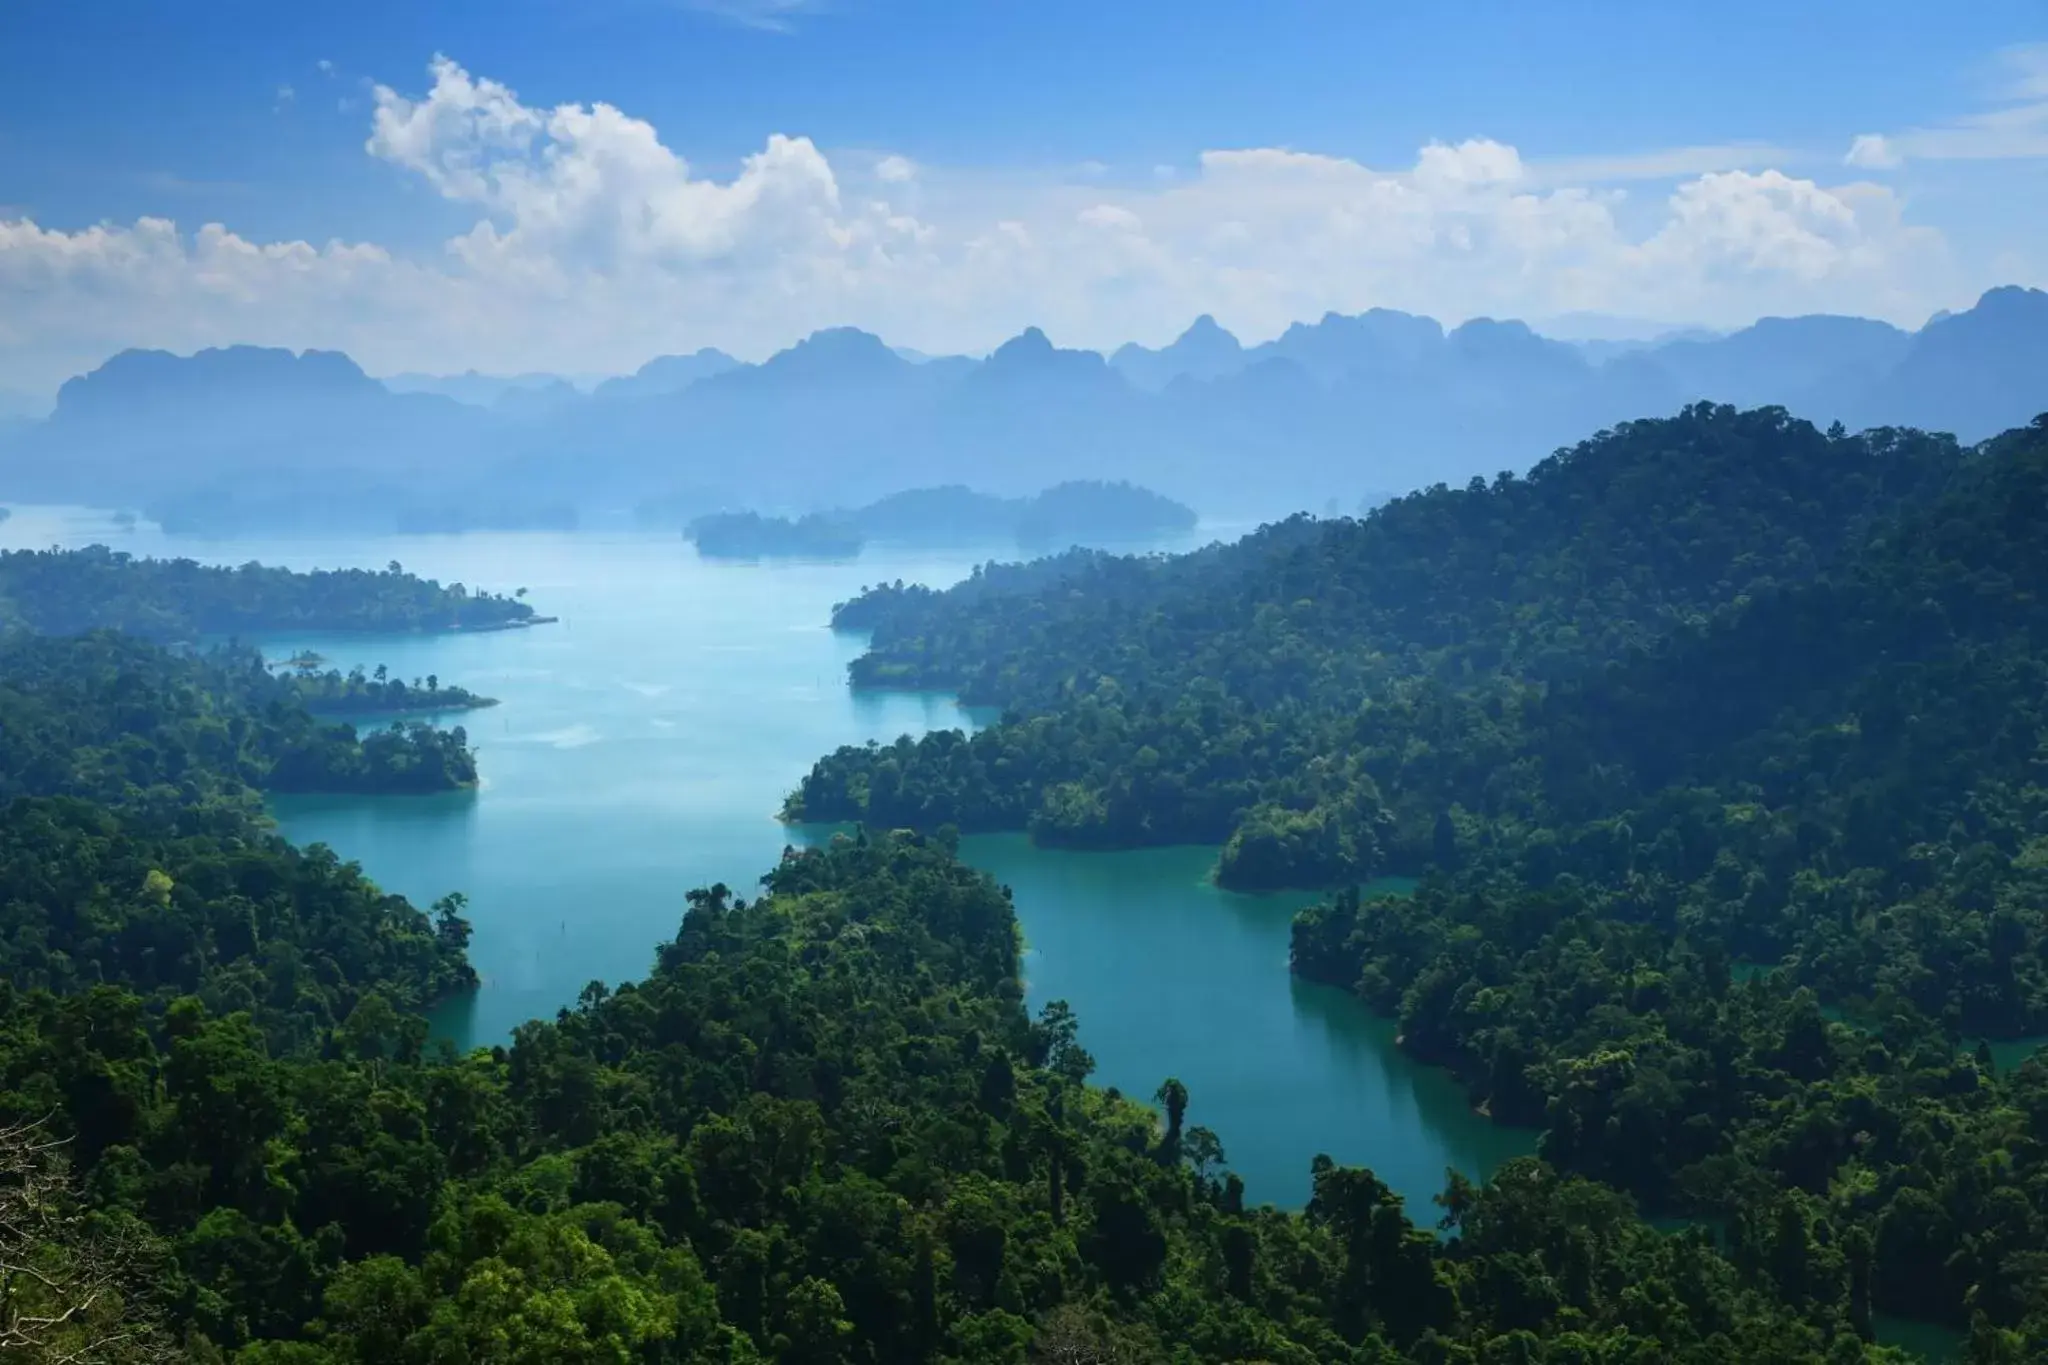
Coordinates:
(330,692)
(64,592)
(1090,512)
(749,535)
(1082,512)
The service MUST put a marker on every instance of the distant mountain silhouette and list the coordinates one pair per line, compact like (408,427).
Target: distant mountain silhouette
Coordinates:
(668,374)
(837,355)
(1329,411)
(247,425)
(538,401)
(478,390)
(1203,351)
(1817,365)
(1377,342)
(1972,373)
(134,383)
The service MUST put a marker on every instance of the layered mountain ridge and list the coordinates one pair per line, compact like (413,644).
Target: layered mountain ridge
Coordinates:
(1328,413)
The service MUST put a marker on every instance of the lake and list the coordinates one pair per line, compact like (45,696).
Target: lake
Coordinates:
(642,747)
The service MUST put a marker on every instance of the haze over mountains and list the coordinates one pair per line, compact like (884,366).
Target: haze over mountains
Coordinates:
(1340,409)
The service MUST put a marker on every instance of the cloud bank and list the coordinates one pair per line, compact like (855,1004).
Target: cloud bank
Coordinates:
(595,245)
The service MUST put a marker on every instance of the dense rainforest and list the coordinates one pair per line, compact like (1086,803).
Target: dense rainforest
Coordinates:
(824,1130)
(60,592)
(1720,743)
(1730,970)
(113,718)
(1315,695)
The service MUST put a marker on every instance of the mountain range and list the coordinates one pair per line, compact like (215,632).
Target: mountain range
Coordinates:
(1327,412)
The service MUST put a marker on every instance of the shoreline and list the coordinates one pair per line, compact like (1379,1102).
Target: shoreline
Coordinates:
(320,712)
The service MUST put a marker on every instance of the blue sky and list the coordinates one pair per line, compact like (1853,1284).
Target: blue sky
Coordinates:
(962,169)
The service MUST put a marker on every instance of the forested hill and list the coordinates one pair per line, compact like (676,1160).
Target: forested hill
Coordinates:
(1728,899)
(66,591)
(128,723)
(1600,546)
(823,1132)
(1221,696)
(1944,606)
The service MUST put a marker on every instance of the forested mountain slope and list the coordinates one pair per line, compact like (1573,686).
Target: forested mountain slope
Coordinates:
(1647,825)
(1258,692)
(823,1130)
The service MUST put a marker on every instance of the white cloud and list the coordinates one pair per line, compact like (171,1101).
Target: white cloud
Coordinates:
(2014,128)
(595,245)
(2026,72)
(772,16)
(1873,151)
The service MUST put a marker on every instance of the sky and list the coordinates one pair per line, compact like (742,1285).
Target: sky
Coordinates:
(578,185)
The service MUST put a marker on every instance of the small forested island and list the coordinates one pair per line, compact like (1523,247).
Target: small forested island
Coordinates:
(1094,512)
(330,692)
(1078,512)
(67,591)
(950,516)
(749,535)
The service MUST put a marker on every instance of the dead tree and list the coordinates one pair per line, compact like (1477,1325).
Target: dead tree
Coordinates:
(69,1282)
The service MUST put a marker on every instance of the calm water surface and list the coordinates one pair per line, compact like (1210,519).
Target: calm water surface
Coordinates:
(642,747)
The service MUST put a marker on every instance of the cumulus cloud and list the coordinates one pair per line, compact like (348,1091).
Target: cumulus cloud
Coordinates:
(593,245)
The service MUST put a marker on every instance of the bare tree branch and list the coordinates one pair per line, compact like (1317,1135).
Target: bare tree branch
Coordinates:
(69,1283)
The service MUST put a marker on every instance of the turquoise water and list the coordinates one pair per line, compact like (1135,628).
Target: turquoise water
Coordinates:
(1930,1341)
(642,747)
(1172,977)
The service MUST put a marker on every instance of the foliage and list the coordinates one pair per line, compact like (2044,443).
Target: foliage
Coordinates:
(358,692)
(1641,747)
(217,910)
(1267,693)
(123,722)
(1730,798)
(952,514)
(63,592)
(822,1130)
(71,1285)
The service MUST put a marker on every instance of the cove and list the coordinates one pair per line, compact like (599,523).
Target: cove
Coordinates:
(1173,976)
(641,747)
